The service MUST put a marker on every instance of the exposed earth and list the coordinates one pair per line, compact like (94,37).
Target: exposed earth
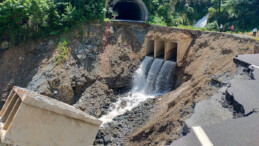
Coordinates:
(96,75)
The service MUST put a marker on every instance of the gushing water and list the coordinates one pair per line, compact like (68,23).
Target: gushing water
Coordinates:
(202,22)
(153,77)
(139,81)
(165,80)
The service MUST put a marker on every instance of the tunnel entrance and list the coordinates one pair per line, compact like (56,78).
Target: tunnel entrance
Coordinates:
(130,10)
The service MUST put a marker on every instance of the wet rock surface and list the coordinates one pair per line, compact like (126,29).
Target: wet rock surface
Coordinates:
(116,132)
(96,99)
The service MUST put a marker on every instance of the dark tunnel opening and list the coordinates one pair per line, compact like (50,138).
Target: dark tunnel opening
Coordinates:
(128,11)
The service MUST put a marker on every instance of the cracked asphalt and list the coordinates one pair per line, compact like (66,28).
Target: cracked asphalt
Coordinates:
(216,125)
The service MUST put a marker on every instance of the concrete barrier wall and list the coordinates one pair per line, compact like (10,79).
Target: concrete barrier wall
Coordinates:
(29,119)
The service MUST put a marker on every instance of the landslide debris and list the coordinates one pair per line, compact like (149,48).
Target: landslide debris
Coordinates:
(91,65)
(95,75)
(210,59)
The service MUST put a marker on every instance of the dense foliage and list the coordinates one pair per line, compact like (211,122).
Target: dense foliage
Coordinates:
(243,14)
(177,12)
(20,19)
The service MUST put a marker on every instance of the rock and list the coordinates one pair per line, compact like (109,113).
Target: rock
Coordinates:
(64,89)
(55,92)
(79,56)
(5,45)
(96,99)
(99,141)
(51,43)
(107,139)
(123,104)
(99,134)
(111,31)
(98,113)
(114,135)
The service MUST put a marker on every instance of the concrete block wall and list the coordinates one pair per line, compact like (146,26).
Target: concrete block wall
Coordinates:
(29,119)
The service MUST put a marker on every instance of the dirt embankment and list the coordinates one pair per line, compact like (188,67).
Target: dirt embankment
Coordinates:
(92,76)
(208,64)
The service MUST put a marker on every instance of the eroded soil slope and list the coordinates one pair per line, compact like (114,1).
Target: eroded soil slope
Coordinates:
(209,64)
(92,76)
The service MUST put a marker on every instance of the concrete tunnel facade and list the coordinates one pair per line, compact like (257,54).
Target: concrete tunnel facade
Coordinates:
(135,10)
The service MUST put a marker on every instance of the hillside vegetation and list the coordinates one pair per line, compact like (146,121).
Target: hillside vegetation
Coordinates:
(243,14)
(22,19)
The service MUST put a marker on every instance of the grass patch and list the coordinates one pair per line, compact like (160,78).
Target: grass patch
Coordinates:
(192,28)
(106,20)
(63,50)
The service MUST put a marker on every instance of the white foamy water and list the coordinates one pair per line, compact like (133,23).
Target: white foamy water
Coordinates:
(202,22)
(152,78)
(117,109)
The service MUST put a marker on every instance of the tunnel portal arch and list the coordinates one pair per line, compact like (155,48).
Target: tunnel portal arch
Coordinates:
(130,9)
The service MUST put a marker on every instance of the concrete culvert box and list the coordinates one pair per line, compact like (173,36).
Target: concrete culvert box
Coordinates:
(149,45)
(30,119)
(159,48)
(171,50)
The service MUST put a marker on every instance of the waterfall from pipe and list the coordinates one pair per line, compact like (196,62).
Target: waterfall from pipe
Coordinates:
(154,77)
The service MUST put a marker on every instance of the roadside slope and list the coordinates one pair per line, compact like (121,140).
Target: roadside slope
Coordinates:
(209,64)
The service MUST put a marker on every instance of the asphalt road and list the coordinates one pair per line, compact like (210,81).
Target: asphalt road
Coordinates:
(211,125)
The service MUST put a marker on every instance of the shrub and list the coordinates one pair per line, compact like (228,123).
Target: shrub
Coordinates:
(212,26)
(157,20)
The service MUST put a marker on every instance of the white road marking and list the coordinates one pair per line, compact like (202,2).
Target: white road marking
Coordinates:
(201,135)
(255,66)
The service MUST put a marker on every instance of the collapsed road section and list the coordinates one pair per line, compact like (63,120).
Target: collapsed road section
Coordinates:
(216,127)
